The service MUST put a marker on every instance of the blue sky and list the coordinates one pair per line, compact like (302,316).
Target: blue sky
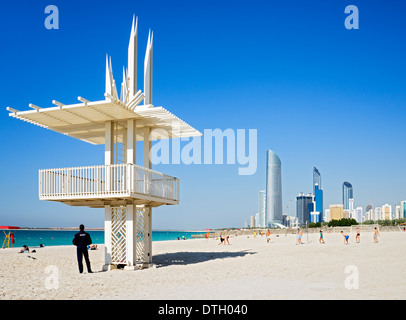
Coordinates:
(318,94)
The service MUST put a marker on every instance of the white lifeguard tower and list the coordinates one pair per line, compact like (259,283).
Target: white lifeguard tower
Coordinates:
(126,190)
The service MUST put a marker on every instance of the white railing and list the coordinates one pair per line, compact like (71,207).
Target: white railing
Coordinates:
(107,180)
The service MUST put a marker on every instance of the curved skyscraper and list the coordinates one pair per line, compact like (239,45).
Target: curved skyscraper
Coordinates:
(273,209)
(347,194)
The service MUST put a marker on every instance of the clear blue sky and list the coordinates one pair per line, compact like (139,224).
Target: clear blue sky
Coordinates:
(318,94)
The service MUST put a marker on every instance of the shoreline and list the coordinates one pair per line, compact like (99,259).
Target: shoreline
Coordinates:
(100,229)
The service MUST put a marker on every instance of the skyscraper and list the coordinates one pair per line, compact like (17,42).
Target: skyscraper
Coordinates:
(273,207)
(347,195)
(386,212)
(316,179)
(318,193)
(304,205)
(336,212)
(261,209)
(402,209)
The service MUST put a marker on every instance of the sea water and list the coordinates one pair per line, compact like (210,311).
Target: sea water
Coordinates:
(34,238)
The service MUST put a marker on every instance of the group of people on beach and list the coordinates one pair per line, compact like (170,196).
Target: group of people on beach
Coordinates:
(358,236)
(224,240)
(345,235)
(321,238)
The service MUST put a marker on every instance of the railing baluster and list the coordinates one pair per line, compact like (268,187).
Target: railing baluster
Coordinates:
(106,180)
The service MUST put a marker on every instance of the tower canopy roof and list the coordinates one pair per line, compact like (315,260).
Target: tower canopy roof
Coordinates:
(86,120)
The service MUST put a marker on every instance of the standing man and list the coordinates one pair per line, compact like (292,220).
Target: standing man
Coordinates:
(81,241)
(357,237)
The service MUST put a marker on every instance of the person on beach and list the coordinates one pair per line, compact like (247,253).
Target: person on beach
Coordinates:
(376,234)
(346,237)
(81,241)
(25,249)
(357,237)
(222,240)
(268,236)
(299,236)
(321,240)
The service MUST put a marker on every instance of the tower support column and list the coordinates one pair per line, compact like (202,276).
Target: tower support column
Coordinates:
(107,238)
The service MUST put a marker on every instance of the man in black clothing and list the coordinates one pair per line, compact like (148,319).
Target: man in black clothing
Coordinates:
(81,241)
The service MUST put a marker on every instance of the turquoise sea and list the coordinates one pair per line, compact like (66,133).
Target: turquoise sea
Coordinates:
(33,238)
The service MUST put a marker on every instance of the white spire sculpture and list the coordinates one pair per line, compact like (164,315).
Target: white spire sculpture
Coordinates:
(109,78)
(129,95)
(148,70)
(131,76)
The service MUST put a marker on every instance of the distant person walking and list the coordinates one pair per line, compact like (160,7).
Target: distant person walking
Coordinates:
(81,241)
(357,237)
(268,236)
(321,240)
(299,236)
(376,234)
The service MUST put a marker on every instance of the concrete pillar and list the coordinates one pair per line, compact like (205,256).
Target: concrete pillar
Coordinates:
(132,141)
(131,236)
(147,148)
(150,235)
(109,143)
(107,238)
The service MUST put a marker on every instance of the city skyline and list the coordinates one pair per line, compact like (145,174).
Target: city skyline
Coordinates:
(296,69)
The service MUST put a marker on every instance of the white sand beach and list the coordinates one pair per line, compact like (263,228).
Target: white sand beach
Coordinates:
(248,268)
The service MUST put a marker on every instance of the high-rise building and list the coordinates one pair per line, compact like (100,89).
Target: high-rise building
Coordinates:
(316,178)
(402,209)
(318,199)
(261,209)
(252,222)
(347,195)
(273,208)
(326,215)
(336,211)
(304,206)
(358,214)
(397,212)
(377,214)
(318,193)
(386,212)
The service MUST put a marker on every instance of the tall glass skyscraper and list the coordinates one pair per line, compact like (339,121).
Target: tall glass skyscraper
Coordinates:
(316,179)
(261,209)
(347,195)
(273,208)
(402,209)
(318,193)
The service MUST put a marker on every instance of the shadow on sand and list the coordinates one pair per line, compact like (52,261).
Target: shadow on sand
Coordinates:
(185,258)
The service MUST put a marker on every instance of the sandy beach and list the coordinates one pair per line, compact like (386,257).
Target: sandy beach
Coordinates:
(248,268)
